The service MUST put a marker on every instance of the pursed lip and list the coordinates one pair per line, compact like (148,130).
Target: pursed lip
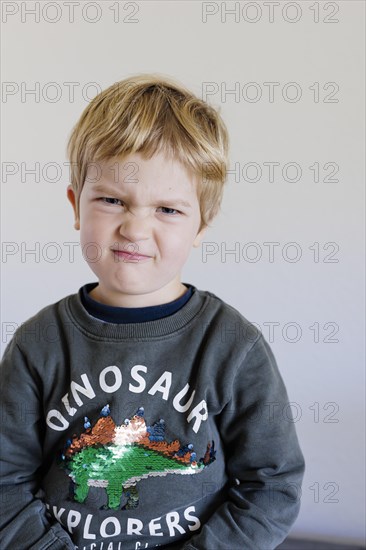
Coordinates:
(126,253)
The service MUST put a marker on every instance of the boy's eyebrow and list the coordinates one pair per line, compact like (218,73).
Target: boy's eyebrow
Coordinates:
(175,201)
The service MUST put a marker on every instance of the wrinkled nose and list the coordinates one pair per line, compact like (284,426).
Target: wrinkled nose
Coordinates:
(135,228)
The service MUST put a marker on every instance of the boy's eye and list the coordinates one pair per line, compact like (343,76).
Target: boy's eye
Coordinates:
(111,200)
(168,210)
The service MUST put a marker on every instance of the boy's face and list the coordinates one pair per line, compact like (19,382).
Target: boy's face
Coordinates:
(135,232)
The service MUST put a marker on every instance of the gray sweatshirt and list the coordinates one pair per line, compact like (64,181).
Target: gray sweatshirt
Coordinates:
(174,433)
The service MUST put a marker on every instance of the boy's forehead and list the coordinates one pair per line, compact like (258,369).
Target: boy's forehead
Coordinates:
(131,169)
(159,161)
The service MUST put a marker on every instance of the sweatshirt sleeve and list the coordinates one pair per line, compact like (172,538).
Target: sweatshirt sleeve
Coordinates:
(24,523)
(264,461)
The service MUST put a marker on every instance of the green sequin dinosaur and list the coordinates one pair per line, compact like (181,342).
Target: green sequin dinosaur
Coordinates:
(117,457)
(118,469)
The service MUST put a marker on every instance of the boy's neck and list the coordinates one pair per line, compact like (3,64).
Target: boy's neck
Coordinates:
(161,296)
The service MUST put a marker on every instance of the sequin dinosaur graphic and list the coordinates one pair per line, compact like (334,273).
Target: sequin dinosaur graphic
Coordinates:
(116,458)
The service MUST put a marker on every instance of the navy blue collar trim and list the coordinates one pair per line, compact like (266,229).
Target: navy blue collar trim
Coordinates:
(112,314)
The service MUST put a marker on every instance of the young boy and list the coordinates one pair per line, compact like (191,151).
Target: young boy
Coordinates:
(142,411)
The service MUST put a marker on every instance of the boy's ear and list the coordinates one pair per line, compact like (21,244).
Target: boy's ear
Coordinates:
(72,199)
(199,237)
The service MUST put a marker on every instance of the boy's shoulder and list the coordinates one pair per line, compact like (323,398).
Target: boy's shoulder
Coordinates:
(229,319)
(42,326)
(49,311)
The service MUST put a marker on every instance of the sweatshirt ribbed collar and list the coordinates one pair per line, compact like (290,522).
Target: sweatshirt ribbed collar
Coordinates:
(166,326)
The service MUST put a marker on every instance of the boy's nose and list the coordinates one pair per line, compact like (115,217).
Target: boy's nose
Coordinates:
(135,228)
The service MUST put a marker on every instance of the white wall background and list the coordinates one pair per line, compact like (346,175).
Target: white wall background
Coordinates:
(321,352)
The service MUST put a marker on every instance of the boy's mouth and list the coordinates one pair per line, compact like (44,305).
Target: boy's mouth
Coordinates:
(130,256)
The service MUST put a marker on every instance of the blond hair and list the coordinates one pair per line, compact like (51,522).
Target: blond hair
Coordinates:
(148,114)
